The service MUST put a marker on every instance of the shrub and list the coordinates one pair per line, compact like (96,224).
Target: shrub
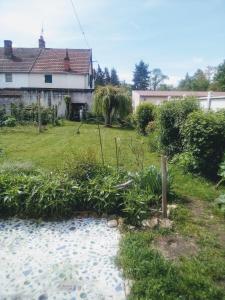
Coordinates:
(221,172)
(146,193)
(151,127)
(39,195)
(144,115)
(170,118)
(204,137)
(10,122)
(185,161)
(83,166)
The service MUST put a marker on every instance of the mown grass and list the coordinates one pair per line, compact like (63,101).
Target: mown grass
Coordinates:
(51,148)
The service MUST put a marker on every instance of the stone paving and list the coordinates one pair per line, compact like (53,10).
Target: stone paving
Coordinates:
(72,259)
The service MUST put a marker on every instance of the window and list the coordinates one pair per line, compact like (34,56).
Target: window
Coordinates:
(8,77)
(48,78)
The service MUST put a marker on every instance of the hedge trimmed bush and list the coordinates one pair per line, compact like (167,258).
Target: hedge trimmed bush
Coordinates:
(204,137)
(144,114)
(171,117)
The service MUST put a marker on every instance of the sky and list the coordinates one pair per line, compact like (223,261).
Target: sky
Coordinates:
(177,36)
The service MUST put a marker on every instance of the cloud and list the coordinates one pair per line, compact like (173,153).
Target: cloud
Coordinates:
(173,80)
(22,20)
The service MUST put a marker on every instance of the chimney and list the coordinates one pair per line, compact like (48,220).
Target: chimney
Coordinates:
(41,42)
(67,62)
(8,48)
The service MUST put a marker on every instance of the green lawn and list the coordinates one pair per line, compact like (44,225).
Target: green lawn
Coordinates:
(49,149)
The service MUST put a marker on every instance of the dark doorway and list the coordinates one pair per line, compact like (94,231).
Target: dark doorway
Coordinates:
(76,110)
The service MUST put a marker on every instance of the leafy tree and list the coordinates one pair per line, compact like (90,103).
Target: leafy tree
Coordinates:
(107,78)
(141,76)
(219,78)
(109,101)
(185,84)
(114,77)
(156,78)
(99,77)
(166,87)
(199,81)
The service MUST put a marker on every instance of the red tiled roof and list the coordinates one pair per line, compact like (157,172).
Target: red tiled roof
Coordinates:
(22,61)
(176,93)
(46,60)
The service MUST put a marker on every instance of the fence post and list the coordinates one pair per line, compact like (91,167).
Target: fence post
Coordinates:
(209,101)
(164,185)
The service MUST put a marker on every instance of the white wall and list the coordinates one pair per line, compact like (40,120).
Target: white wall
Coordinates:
(19,80)
(65,81)
(216,104)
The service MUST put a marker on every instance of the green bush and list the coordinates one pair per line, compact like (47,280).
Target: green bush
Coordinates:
(145,194)
(10,122)
(144,115)
(185,161)
(170,118)
(204,137)
(39,195)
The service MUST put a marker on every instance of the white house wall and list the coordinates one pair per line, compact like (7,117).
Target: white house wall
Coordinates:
(18,80)
(64,81)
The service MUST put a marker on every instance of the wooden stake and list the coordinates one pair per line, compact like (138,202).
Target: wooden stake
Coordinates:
(100,142)
(39,112)
(164,185)
(117,156)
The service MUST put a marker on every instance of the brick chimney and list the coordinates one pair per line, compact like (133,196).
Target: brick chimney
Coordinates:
(41,42)
(8,51)
(67,62)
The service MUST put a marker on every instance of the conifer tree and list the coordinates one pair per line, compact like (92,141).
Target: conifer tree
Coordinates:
(114,77)
(99,77)
(107,78)
(141,76)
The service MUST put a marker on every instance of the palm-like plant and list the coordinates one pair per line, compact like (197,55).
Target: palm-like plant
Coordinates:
(109,101)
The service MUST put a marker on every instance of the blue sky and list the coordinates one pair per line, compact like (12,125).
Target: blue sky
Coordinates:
(177,36)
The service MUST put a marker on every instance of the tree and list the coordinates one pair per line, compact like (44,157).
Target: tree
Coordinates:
(110,101)
(166,87)
(107,78)
(141,76)
(114,77)
(219,78)
(185,84)
(156,78)
(99,76)
(199,81)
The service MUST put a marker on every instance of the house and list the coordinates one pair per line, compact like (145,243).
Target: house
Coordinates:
(208,100)
(48,73)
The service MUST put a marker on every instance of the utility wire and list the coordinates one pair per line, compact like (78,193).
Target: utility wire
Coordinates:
(79,23)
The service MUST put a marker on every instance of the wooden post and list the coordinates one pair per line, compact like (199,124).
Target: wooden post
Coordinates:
(39,111)
(164,185)
(117,157)
(100,142)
